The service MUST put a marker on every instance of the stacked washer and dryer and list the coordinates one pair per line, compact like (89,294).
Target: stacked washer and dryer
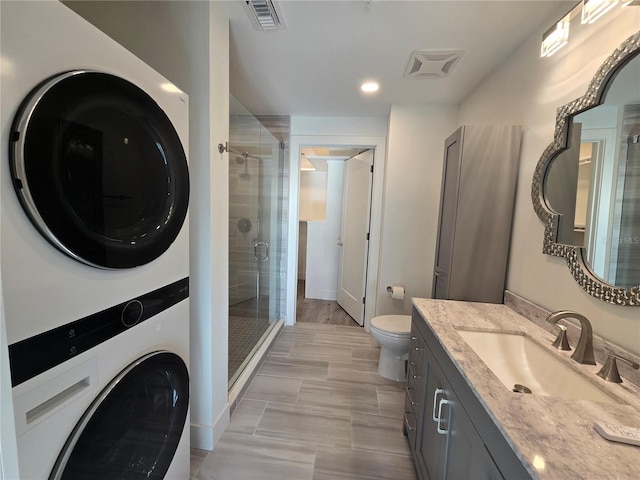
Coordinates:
(94,251)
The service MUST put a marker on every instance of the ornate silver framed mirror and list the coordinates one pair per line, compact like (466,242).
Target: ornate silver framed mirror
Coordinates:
(586,185)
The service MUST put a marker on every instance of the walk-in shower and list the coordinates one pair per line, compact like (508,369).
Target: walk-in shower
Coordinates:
(258,186)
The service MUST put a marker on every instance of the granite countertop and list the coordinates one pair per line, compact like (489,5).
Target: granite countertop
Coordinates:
(553,436)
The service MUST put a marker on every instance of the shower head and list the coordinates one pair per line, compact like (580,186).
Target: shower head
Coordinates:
(242,158)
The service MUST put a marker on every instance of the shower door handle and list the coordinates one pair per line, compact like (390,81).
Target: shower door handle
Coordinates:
(266,251)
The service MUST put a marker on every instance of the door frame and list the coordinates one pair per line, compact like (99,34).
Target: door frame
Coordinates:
(379,144)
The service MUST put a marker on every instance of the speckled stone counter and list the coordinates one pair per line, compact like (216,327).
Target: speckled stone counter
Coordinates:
(554,437)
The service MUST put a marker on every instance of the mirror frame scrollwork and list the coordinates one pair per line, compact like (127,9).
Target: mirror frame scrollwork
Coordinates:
(574,255)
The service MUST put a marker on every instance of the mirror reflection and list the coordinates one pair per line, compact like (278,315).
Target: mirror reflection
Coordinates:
(594,184)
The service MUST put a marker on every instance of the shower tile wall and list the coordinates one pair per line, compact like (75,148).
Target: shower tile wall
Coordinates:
(243,204)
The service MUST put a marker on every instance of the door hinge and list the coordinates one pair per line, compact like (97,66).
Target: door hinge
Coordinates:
(368,235)
(371,168)
(363,300)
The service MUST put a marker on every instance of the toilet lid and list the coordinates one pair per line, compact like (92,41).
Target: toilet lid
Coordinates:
(393,323)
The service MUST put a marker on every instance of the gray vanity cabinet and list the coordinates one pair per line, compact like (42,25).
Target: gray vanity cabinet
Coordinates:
(414,398)
(450,434)
(476,209)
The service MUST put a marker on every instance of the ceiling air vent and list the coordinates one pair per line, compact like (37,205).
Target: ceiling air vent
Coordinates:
(266,14)
(432,64)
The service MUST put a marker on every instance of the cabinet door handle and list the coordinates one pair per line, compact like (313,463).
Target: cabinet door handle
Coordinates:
(440,430)
(414,338)
(437,392)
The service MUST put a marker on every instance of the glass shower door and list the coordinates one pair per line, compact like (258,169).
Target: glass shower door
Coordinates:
(256,215)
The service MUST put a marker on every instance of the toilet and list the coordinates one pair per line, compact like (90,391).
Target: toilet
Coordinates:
(393,334)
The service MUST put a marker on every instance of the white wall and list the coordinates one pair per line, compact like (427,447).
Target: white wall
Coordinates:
(343,126)
(213,273)
(527,90)
(412,201)
(313,195)
(188,42)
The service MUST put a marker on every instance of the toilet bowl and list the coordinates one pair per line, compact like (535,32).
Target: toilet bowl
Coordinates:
(393,334)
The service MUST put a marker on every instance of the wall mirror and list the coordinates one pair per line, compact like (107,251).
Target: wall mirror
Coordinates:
(586,186)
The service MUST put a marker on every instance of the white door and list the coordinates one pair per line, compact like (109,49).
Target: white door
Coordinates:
(356,205)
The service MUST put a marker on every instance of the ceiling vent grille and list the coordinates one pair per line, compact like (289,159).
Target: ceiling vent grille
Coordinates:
(432,64)
(266,14)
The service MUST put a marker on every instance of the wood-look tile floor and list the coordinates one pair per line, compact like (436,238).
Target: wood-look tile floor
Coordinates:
(316,410)
(320,311)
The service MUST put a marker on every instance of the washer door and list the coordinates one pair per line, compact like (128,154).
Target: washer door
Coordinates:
(133,428)
(99,169)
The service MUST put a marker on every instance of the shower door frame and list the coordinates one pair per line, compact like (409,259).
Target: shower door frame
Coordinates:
(265,246)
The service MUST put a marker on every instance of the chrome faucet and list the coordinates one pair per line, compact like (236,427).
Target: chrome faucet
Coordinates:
(584,350)
(609,370)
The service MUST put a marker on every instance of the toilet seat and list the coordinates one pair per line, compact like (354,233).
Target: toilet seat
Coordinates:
(392,325)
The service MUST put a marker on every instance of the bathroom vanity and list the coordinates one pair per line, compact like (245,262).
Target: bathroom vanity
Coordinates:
(462,421)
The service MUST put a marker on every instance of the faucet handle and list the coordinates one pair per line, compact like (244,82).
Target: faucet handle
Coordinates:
(561,342)
(609,370)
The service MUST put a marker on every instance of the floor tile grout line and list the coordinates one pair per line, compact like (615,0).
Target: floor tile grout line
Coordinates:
(255,429)
(379,451)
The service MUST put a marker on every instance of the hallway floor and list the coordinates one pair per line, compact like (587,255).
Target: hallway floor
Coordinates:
(320,311)
(316,409)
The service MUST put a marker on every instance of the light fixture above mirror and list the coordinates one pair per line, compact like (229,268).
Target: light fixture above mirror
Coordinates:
(603,218)
(557,36)
(592,10)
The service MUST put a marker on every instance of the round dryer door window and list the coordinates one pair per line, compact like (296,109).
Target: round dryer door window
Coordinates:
(133,428)
(100,169)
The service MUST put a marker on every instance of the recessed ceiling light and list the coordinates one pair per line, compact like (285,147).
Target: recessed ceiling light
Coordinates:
(369,87)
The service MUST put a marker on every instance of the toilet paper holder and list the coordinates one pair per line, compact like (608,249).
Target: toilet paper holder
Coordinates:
(396,291)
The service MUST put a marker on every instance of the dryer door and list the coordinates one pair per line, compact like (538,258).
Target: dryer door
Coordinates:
(133,428)
(99,169)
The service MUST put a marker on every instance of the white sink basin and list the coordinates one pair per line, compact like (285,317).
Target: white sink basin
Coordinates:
(517,359)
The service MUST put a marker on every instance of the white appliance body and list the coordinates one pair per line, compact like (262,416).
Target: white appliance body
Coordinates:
(44,289)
